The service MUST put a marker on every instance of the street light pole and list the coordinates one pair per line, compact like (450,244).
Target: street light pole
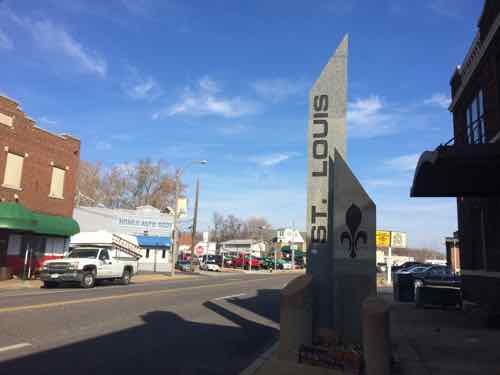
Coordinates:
(195,219)
(293,245)
(174,230)
(176,209)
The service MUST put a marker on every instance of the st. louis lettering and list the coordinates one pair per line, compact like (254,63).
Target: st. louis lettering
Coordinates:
(320,132)
(318,232)
(319,219)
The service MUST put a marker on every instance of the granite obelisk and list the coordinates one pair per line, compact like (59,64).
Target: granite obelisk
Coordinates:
(327,133)
(340,215)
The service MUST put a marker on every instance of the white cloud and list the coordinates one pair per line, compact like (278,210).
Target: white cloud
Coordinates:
(232,129)
(381,182)
(403,163)
(137,86)
(5,41)
(47,120)
(439,99)
(446,8)
(137,7)
(55,38)
(370,117)
(340,7)
(272,159)
(205,99)
(277,89)
(103,146)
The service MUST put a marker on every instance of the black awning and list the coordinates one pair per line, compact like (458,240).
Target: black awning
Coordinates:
(458,171)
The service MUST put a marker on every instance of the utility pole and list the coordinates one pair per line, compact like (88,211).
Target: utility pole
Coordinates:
(293,245)
(176,213)
(275,259)
(195,219)
(174,229)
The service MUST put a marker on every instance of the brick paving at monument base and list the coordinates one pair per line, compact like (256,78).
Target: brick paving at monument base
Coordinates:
(442,341)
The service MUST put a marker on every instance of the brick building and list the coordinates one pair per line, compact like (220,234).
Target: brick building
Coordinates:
(468,166)
(37,189)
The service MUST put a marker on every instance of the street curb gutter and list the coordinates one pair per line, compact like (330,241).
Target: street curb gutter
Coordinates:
(257,364)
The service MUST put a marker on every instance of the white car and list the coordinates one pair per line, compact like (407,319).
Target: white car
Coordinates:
(210,266)
(287,265)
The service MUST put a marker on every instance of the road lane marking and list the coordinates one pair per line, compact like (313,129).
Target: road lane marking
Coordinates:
(98,289)
(119,296)
(14,347)
(227,297)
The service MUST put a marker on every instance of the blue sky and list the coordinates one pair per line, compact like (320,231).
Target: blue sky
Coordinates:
(228,81)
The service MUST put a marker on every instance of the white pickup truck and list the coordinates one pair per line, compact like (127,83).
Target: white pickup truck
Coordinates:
(87,264)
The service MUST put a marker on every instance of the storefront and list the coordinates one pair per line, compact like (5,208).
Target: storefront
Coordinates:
(29,238)
(150,227)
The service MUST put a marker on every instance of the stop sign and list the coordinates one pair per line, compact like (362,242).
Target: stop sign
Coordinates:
(199,250)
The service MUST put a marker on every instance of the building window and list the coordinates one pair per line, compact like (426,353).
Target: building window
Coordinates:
(57,183)
(13,171)
(164,253)
(475,120)
(147,253)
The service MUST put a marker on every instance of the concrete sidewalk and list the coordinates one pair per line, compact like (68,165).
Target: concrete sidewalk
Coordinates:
(444,342)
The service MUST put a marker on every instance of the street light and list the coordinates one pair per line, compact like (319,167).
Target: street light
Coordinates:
(178,174)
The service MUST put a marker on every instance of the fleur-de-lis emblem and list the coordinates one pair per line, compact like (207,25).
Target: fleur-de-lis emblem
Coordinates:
(353,221)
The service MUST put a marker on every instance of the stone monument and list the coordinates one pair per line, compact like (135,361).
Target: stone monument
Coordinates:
(341,217)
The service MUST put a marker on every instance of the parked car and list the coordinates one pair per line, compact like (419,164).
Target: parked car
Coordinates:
(267,263)
(406,266)
(286,265)
(85,265)
(417,276)
(210,265)
(244,261)
(437,285)
(435,275)
(183,265)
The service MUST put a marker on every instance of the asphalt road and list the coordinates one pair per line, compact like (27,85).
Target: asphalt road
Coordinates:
(207,325)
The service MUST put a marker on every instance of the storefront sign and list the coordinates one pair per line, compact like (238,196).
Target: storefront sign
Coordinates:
(139,225)
(399,240)
(383,238)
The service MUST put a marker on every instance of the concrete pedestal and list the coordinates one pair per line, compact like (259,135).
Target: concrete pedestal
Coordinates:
(376,337)
(296,314)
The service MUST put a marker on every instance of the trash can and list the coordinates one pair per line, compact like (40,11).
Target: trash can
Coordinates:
(395,287)
(406,289)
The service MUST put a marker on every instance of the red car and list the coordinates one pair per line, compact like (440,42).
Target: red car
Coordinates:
(243,261)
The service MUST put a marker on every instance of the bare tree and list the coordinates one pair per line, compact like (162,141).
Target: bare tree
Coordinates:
(256,226)
(231,227)
(218,227)
(89,183)
(128,186)
(116,187)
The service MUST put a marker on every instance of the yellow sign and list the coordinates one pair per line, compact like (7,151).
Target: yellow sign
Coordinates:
(383,238)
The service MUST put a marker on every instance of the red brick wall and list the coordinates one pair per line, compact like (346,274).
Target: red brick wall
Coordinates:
(43,148)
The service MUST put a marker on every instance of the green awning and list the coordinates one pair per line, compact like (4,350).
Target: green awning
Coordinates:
(56,225)
(15,216)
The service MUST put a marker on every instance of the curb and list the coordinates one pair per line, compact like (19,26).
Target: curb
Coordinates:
(257,364)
